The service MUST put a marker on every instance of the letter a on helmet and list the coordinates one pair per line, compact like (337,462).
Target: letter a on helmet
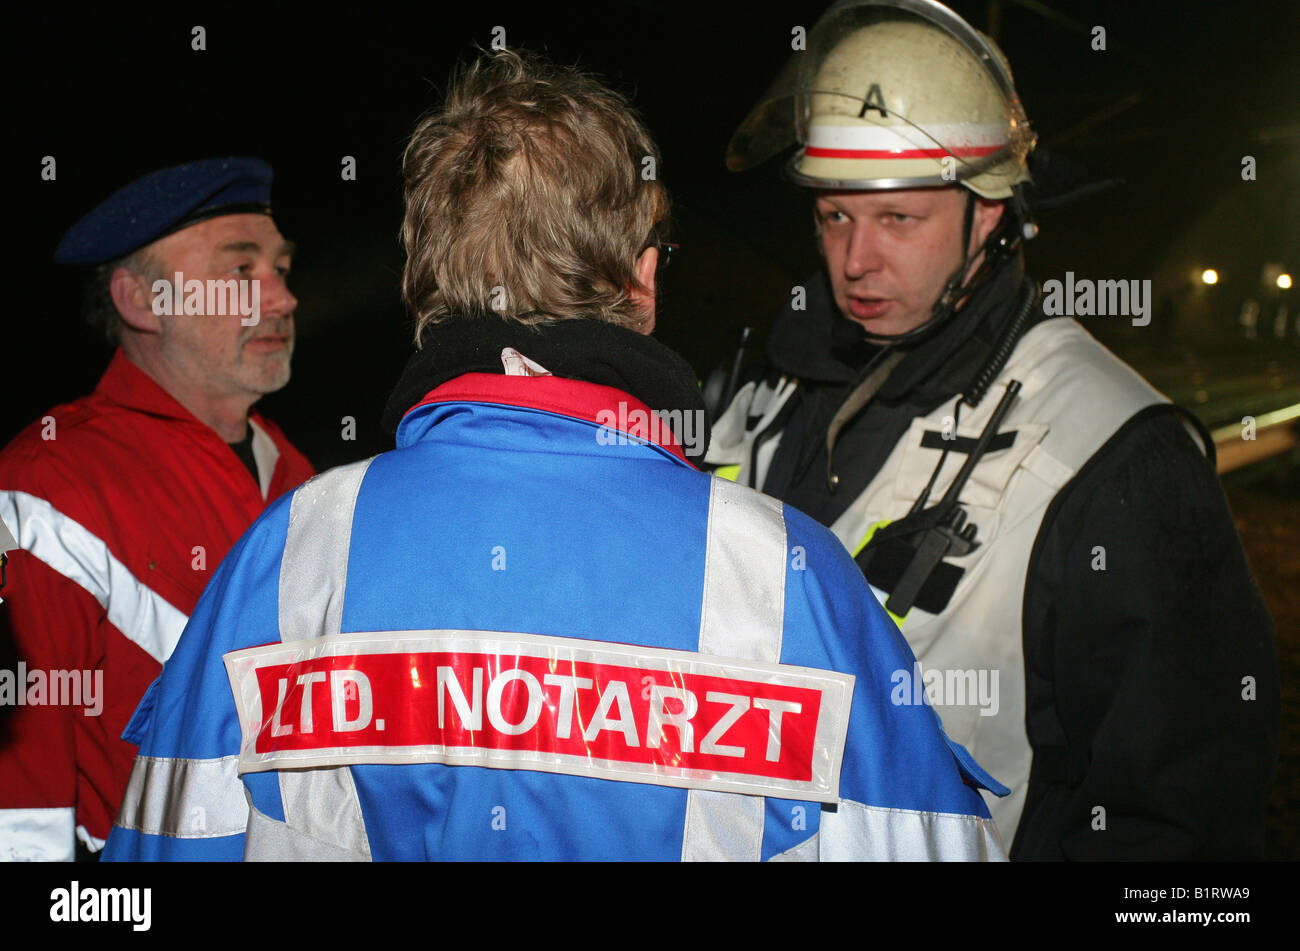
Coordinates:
(901,94)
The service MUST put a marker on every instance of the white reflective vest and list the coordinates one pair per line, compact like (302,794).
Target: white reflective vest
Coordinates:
(1075,395)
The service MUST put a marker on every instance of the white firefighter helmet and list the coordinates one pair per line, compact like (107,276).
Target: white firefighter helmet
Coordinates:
(893,94)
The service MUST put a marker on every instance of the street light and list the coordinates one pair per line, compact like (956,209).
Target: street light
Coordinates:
(1210,276)
(1284,281)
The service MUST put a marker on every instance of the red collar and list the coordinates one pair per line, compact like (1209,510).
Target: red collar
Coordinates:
(125,383)
(590,402)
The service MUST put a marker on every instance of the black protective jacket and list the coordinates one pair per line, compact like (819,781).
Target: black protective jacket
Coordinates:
(1129,703)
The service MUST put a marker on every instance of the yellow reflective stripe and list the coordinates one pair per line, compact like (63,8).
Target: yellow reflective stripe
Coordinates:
(870,532)
(727,472)
(857,551)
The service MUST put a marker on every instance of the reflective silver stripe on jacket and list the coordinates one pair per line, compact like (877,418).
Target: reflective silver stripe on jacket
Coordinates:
(855,833)
(314,568)
(741,615)
(270,840)
(752,412)
(322,812)
(37,835)
(858,833)
(184,798)
(140,613)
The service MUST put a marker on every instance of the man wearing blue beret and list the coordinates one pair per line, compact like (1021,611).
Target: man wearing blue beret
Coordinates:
(125,501)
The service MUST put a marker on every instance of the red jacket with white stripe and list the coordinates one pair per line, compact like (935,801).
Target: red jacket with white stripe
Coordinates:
(123,504)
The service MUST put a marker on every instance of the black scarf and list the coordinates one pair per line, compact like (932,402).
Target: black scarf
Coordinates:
(593,351)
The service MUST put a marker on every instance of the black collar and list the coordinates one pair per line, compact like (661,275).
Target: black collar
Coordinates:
(583,349)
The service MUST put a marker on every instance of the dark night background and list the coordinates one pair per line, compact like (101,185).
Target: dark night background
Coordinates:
(1182,92)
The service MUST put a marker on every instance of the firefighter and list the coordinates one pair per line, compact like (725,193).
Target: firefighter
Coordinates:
(1043,525)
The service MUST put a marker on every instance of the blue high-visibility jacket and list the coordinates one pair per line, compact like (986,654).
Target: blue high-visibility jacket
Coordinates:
(519,505)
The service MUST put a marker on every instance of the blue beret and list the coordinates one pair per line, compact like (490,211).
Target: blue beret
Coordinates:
(163,202)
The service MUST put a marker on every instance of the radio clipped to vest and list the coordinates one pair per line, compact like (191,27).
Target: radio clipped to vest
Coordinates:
(907,557)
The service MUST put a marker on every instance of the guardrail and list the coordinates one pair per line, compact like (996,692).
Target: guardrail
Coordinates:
(1275,432)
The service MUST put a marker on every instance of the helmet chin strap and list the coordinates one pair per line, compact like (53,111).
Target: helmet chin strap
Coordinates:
(997,248)
(953,290)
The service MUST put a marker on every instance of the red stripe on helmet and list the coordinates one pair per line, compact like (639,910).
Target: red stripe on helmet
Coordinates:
(977,151)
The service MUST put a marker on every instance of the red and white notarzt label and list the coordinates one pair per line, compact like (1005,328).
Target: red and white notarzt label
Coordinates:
(561,705)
